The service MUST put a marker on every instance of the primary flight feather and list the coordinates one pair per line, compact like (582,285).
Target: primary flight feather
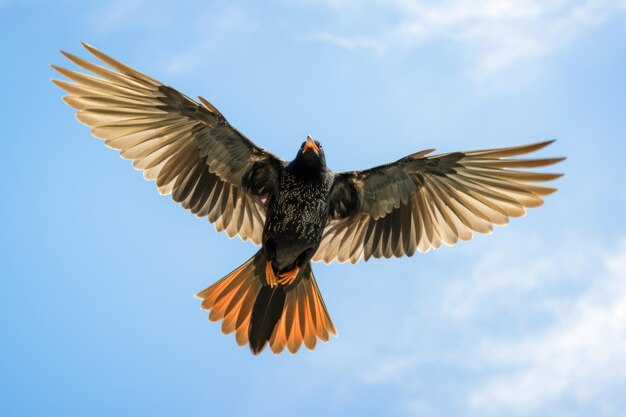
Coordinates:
(298,211)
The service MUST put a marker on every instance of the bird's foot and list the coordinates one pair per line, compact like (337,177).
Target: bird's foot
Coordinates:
(288,277)
(270,277)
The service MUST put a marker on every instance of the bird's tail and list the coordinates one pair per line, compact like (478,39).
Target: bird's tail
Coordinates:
(283,315)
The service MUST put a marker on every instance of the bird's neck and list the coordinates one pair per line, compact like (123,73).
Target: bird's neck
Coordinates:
(306,169)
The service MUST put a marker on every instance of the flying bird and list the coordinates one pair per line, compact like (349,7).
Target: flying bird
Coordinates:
(298,211)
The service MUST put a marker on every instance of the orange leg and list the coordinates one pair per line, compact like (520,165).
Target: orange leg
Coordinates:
(288,277)
(270,277)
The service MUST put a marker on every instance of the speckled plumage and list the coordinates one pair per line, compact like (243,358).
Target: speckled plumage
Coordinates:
(297,215)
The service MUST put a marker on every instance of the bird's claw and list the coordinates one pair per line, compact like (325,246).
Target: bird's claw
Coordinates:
(270,277)
(288,277)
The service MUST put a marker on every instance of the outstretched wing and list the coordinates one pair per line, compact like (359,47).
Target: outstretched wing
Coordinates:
(421,201)
(188,148)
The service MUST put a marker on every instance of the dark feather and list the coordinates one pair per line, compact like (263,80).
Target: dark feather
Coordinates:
(173,139)
(266,312)
(420,201)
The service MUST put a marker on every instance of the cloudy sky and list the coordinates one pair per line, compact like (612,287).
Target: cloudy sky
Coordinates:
(98,271)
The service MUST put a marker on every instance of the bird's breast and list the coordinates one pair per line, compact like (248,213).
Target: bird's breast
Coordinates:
(297,214)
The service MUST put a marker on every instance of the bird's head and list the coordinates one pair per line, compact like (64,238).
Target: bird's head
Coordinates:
(311,153)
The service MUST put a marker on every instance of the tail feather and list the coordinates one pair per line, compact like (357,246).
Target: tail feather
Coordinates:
(231,299)
(305,318)
(267,310)
(284,316)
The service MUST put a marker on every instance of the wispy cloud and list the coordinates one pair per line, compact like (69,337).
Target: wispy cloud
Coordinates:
(211,23)
(352,42)
(502,278)
(562,340)
(582,357)
(493,35)
(388,368)
(123,13)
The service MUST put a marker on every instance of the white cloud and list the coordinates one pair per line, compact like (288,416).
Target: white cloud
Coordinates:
(353,42)
(388,368)
(121,11)
(502,278)
(530,328)
(494,35)
(215,22)
(109,18)
(581,358)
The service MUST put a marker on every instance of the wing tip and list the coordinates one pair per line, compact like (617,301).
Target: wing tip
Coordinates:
(60,83)
(556,160)
(66,54)
(87,46)
(210,107)
(535,146)
(421,154)
(546,142)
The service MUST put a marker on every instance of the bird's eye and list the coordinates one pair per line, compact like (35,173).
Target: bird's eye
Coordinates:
(319,145)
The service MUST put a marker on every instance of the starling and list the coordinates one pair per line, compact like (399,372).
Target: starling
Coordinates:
(299,211)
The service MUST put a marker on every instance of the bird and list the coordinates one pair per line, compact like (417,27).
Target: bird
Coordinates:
(297,211)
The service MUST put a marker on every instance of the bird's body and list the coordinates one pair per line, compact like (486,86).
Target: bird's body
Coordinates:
(298,211)
(297,214)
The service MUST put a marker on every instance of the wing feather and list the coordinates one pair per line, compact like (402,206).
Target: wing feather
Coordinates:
(420,202)
(188,148)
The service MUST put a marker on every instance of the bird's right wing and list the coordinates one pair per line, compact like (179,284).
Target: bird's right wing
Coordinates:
(189,148)
(421,201)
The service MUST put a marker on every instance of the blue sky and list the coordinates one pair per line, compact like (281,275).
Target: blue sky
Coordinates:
(98,271)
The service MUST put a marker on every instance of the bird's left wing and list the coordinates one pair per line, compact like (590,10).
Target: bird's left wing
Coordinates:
(188,148)
(421,201)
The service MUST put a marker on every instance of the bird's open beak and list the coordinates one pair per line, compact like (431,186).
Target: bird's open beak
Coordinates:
(310,144)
